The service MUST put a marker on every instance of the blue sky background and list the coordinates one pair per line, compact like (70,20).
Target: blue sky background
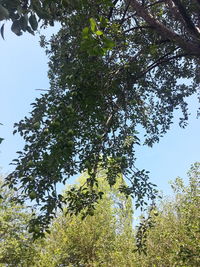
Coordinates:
(24,68)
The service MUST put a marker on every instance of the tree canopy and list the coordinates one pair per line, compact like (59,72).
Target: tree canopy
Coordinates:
(116,69)
(25,14)
(15,242)
(169,235)
(104,239)
(174,239)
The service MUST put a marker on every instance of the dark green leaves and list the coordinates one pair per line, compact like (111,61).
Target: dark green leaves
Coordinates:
(33,22)
(4,13)
(25,15)
(110,74)
(16,27)
(2,31)
(22,24)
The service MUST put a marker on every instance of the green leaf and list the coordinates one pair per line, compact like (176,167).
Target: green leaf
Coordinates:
(93,24)
(85,33)
(99,32)
(30,30)
(4,14)
(24,22)
(33,22)
(16,27)
(2,31)
(108,43)
(1,140)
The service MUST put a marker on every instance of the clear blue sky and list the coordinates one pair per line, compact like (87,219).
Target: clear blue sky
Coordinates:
(24,69)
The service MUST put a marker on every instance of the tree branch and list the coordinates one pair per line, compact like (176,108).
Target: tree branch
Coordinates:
(125,11)
(161,60)
(186,18)
(138,28)
(189,46)
(111,9)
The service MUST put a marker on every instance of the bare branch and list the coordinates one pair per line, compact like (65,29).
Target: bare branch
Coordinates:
(125,11)
(111,9)
(161,60)
(138,28)
(42,89)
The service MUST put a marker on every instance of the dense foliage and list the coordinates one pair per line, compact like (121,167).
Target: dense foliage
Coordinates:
(104,239)
(15,242)
(174,239)
(26,14)
(108,238)
(115,68)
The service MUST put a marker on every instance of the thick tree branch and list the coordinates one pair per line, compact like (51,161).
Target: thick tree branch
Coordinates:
(189,46)
(186,17)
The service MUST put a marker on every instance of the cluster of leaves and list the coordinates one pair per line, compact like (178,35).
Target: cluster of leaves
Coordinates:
(16,247)
(114,68)
(174,238)
(104,239)
(25,14)
(169,236)
(94,40)
(143,229)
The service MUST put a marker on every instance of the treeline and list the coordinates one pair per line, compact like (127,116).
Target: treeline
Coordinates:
(168,235)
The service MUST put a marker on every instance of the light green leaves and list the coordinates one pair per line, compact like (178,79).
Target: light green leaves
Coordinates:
(93,25)
(95,42)
(99,33)
(85,33)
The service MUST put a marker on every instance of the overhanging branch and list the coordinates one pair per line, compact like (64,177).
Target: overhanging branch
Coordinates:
(188,46)
(186,17)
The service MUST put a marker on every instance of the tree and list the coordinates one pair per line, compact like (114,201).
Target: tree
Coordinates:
(174,239)
(114,68)
(104,239)
(15,242)
(159,16)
